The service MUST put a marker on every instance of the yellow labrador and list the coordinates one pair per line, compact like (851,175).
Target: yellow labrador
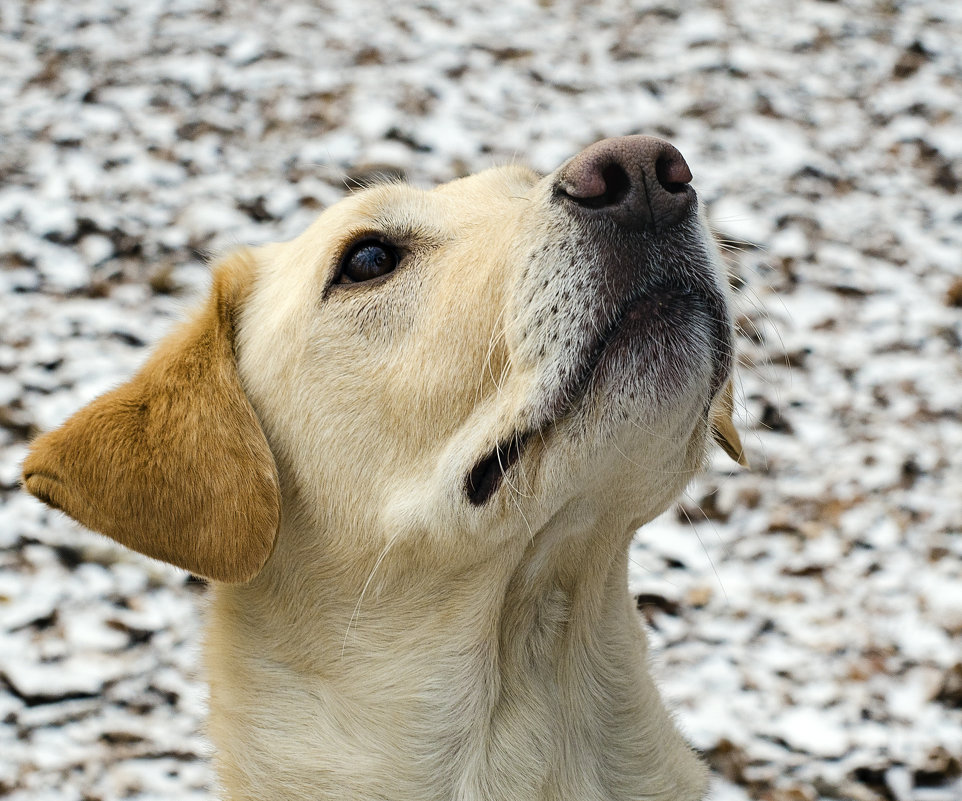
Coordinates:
(410,448)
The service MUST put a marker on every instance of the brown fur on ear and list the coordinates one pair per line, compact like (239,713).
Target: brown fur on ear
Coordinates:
(723,429)
(174,463)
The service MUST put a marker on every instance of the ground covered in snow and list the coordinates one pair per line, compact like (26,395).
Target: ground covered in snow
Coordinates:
(805,616)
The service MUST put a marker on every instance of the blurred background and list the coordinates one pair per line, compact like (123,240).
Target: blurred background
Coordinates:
(805,616)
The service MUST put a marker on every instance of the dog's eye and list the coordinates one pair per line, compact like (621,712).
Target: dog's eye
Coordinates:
(366,261)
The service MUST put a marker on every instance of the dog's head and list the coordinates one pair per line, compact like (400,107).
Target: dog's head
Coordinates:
(463,361)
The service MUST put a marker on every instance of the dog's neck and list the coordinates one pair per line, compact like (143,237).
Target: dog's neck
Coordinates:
(516,678)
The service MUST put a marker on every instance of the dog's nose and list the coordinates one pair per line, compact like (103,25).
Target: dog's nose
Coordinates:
(638,181)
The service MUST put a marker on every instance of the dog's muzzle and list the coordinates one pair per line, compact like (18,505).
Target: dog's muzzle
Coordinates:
(634,261)
(647,262)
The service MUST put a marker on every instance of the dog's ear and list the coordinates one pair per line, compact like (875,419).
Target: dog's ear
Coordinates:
(723,428)
(174,463)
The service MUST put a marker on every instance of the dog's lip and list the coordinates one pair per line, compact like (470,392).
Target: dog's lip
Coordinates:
(569,395)
(486,476)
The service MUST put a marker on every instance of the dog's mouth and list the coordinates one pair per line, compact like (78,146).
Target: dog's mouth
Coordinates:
(488,472)
(643,325)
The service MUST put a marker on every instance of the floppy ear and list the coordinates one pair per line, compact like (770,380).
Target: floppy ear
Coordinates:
(722,427)
(174,463)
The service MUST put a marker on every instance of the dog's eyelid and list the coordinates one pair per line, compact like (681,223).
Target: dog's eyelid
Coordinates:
(399,229)
(402,240)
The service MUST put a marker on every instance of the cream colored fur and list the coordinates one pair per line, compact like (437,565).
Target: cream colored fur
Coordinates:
(400,642)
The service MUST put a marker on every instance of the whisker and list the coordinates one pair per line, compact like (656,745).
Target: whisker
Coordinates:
(355,615)
(702,543)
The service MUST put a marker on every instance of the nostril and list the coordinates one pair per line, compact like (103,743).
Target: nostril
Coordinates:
(672,173)
(638,182)
(616,184)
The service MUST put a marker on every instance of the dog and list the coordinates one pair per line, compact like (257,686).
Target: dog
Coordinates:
(409,449)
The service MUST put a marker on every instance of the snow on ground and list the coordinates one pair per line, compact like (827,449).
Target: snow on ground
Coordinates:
(805,616)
